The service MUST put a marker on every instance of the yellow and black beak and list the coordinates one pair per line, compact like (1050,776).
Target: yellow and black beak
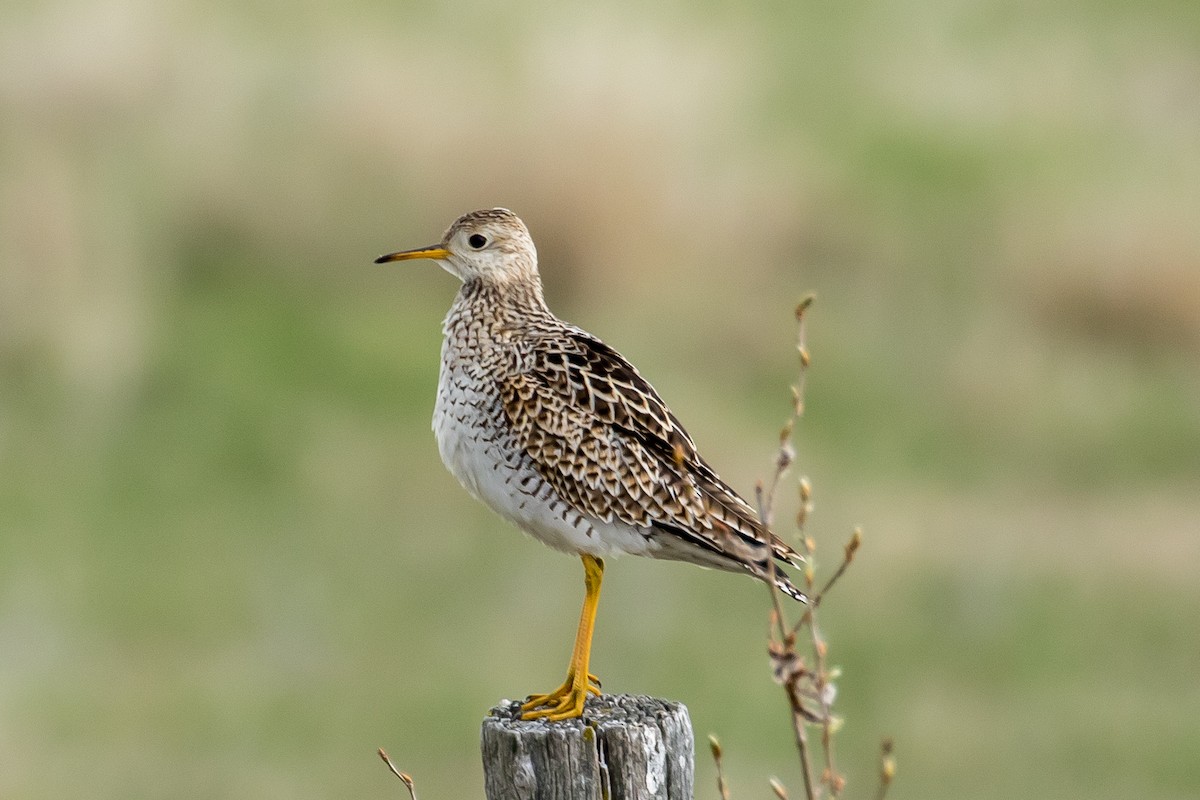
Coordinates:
(436,252)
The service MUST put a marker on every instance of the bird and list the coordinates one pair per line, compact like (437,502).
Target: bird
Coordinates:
(561,436)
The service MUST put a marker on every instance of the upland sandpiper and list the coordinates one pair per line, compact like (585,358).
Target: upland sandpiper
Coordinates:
(556,432)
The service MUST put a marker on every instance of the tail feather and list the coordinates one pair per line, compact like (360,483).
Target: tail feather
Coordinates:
(784,584)
(733,553)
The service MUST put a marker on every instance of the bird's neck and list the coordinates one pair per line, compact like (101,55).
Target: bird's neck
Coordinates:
(499,306)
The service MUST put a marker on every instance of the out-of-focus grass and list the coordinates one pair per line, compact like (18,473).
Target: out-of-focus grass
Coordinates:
(230,563)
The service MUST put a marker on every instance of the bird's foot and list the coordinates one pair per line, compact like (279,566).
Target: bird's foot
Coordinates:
(565,702)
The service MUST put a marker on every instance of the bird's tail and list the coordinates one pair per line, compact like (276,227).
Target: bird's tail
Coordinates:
(783,553)
(784,584)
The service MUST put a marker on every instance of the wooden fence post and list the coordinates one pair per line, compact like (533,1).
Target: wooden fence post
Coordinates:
(624,747)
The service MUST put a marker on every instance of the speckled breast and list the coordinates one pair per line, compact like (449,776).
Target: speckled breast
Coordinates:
(478,447)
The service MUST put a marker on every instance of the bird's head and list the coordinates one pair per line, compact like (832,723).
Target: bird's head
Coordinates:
(491,245)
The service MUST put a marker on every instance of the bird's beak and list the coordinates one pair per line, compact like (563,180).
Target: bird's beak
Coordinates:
(436,252)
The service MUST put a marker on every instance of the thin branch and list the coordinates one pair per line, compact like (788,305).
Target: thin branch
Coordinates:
(404,777)
(823,693)
(808,685)
(787,453)
(777,618)
(722,786)
(798,715)
(848,555)
(887,768)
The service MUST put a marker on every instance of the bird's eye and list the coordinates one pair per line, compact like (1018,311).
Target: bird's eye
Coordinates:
(477,240)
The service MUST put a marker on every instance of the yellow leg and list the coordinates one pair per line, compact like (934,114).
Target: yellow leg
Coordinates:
(567,700)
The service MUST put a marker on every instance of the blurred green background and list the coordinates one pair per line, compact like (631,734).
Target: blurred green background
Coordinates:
(231,564)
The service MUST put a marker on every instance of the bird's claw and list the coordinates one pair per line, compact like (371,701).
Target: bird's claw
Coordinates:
(565,702)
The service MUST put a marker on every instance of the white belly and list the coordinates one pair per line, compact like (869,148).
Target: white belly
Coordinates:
(475,448)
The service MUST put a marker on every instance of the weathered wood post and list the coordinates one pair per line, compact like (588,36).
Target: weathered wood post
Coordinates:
(624,747)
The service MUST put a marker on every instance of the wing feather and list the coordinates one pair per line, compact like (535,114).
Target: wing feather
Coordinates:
(601,436)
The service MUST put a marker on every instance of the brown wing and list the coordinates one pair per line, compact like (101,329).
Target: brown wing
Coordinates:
(601,436)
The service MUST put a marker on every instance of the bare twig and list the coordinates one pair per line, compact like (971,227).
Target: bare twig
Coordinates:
(807,681)
(722,786)
(799,730)
(848,555)
(823,691)
(887,768)
(807,678)
(787,452)
(776,622)
(404,777)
